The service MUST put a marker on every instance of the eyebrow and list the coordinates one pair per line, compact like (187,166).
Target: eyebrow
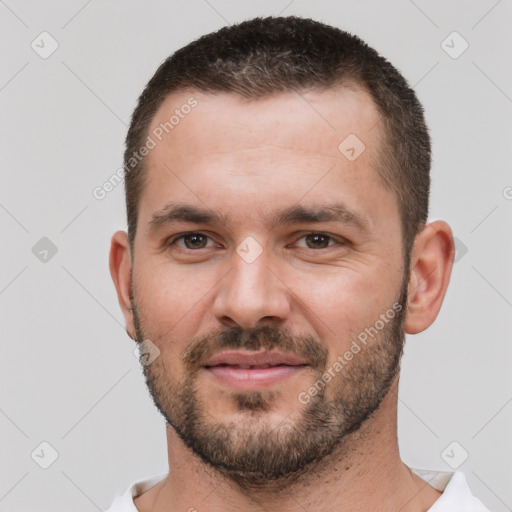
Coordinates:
(174,213)
(332,213)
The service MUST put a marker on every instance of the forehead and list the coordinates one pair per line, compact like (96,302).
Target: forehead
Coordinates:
(310,121)
(218,149)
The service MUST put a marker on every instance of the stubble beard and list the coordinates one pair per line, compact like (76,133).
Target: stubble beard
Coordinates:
(254,454)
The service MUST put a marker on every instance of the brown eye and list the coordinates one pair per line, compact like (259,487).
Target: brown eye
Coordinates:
(317,240)
(191,241)
(195,241)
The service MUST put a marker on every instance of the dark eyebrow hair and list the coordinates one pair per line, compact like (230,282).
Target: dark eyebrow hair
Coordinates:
(297,214)
(172,213)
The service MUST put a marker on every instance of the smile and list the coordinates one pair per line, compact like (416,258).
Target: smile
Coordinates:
(253,376)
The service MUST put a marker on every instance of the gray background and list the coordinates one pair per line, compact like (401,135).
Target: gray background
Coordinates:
(68,374)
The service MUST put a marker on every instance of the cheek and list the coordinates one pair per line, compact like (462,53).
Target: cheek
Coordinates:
(343,291)
(342,303)
(170,300)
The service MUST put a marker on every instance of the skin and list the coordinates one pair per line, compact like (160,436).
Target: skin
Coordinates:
(247,160)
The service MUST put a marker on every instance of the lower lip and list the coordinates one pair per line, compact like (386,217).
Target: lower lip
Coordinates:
(247,378)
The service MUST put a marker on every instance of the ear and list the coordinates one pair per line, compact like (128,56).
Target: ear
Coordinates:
(431,266)
(120,262)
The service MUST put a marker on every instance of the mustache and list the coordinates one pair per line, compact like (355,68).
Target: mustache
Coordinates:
(265,337)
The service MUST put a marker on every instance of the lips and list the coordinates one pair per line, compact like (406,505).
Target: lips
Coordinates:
(253,370)
(250,367)
(253,360)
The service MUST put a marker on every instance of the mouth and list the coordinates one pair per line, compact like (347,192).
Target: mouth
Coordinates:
(246,370)
(249,359)
(252,366)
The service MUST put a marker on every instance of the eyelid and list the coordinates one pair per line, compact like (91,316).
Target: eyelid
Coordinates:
(334,238)
(171,240)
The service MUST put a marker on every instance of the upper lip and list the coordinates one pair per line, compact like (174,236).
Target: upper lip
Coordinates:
(237,357)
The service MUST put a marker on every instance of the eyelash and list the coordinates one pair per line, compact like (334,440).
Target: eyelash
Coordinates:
(338,240)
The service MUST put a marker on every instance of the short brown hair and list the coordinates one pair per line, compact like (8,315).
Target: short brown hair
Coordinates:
(265,56)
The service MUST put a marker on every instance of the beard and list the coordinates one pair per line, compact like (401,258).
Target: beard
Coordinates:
(252,453)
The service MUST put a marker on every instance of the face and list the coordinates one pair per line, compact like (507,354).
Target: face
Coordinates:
(258,232)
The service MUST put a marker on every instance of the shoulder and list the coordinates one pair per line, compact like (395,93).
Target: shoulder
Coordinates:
(456,494)
(125,502)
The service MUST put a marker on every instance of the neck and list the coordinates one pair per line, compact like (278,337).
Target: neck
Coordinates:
(366,473)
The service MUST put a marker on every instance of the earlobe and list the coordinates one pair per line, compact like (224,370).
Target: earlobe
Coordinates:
(431,265)
(120,263)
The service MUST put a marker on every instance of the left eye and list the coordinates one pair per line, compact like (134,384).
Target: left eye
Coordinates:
(317,240)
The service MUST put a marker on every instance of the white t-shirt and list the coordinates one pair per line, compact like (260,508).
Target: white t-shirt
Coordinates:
(456,495)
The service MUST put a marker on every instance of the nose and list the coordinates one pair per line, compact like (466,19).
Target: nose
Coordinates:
(251,295)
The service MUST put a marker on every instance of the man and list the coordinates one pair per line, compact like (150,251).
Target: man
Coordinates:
(278,250)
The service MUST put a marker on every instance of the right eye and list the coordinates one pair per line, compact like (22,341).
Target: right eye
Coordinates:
(191,241)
